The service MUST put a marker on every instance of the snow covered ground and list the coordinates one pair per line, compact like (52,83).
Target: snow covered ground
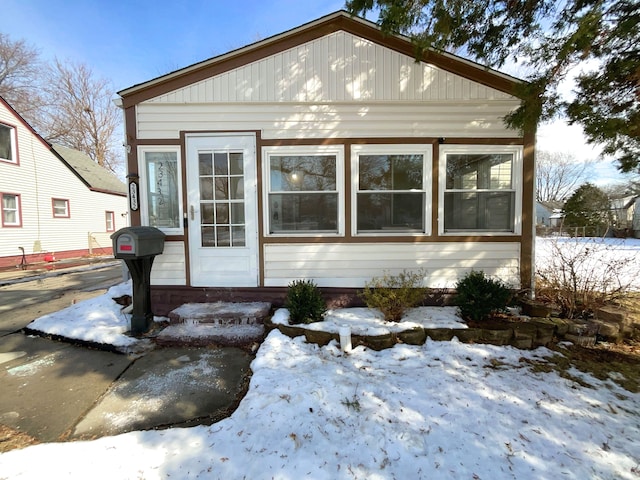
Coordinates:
(441,410)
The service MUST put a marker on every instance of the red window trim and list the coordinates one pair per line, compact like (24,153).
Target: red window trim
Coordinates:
(113,221)
(11,225)
(14,132)
(53,208)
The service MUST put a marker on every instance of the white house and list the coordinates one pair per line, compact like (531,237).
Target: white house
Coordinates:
(329,153)
(56,202)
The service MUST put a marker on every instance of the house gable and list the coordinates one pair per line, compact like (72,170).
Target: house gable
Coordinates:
(302,40)
(338,67)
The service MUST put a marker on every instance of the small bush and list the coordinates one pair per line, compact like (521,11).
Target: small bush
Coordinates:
(304,302)
(394,294)
(581,275)
(479,297)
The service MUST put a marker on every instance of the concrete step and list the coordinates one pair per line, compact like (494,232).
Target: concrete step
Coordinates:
(220,323)
(221,313)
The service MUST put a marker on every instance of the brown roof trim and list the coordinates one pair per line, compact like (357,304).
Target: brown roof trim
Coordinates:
(108,192)
(338,21)
(25,123)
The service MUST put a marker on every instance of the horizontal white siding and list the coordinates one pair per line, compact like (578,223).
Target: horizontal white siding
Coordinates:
(40,177)
(338,67)
(169,268)
(283,120)
(352,265)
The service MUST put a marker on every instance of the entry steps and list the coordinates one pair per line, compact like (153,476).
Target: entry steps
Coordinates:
(220,323)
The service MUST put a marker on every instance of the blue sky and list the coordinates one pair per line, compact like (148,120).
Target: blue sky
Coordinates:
(132,41)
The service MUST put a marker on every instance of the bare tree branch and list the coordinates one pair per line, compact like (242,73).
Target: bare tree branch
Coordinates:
(558,174)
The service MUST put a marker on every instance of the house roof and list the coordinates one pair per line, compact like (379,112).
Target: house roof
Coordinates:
(623,203)
(338,21)
(97,178)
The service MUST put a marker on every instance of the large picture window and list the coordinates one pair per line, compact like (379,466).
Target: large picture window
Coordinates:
(8,144)
(480,189)
(162,189)
(393,188)
(304,190)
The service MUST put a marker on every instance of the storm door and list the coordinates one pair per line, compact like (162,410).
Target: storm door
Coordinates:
(221,210)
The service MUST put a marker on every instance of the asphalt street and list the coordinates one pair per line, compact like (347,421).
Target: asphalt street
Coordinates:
(22,300)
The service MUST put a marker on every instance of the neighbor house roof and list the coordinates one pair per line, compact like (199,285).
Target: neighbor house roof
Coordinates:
(338,21)
(97,178)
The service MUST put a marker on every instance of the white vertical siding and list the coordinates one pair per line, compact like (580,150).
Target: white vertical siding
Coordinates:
(39,177)
(351,265)
(339,67)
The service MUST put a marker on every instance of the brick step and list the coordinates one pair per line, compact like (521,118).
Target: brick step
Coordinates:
(208,334)
(220,323)
(221,313)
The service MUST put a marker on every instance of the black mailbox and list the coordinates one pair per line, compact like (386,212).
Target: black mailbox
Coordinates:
(136,242)
(138,246)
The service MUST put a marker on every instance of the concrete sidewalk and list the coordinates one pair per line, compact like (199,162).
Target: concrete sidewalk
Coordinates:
(55,391)
(35,271)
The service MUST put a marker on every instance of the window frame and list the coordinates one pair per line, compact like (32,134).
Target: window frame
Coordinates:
(517,152)
(426,150)
(13,138)
(67,207)
(110,216)
(143,182)
(303,150)
(18,210)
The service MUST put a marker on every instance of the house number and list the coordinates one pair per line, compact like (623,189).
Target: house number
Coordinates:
(133,196)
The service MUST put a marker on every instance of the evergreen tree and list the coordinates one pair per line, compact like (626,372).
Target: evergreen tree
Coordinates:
(588,207)
(550,38)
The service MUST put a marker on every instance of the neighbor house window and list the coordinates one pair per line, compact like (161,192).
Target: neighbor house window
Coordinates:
(480,188)
(8,144)
(60,207)
(392,191)
(11,216)
(161,180)
(304,193)
(110,221)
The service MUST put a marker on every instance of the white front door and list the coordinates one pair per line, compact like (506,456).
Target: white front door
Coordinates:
(222,210)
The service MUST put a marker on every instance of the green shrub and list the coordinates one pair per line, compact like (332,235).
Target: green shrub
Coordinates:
(393,294)
(304,302)
(478,296)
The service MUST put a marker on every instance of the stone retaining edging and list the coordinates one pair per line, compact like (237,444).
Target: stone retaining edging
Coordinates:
(530,334)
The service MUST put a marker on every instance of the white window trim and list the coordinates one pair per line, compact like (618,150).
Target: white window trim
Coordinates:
(142,186)
(337,150)
(400,149)
(13,132)
(516,151)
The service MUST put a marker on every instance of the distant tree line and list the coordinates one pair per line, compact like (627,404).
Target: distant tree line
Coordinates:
(63,101)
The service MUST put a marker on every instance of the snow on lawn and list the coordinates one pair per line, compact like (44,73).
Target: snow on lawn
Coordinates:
(442,410)
(596,255)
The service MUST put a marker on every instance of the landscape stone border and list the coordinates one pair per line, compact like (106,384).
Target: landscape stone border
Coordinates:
(533,333)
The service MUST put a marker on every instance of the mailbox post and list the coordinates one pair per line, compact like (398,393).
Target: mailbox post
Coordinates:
(138,247)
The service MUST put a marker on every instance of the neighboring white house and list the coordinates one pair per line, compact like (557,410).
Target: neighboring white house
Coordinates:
(56,202)
(623,211)
(329,153)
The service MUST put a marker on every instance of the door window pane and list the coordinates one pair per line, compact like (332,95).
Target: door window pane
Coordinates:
(222,199)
